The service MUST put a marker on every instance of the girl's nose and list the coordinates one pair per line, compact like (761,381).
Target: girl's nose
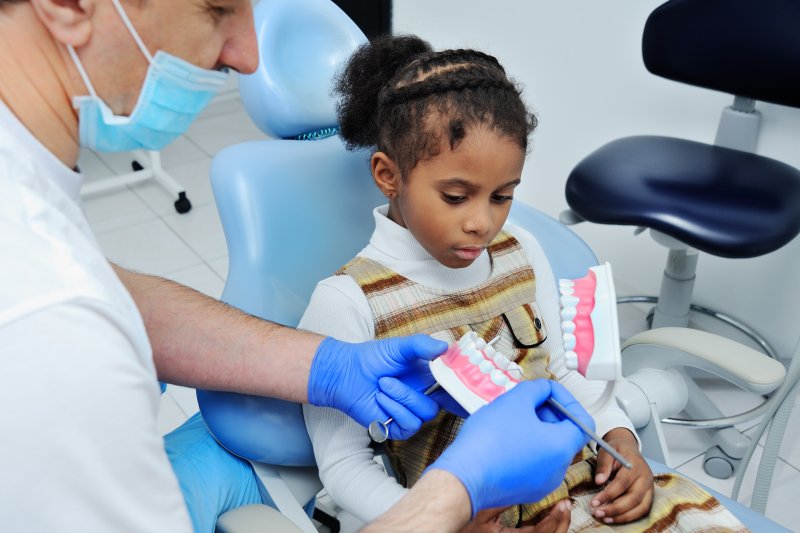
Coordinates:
(479,221)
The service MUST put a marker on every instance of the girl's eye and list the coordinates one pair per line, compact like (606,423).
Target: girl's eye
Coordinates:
(453,199)
(501,198)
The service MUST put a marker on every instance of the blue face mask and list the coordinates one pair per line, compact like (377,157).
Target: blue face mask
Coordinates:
(173,94)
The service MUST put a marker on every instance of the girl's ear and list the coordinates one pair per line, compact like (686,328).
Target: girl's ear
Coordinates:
(385,173)
(68,21)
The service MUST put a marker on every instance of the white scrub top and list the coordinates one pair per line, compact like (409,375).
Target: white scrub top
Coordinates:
(79,446)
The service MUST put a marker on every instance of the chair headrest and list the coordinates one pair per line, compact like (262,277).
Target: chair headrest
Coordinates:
(748,48)
(302,45)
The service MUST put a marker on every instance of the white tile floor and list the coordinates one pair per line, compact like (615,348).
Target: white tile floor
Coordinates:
(138,227)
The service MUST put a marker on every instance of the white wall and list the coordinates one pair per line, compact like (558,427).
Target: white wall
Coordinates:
(580,63)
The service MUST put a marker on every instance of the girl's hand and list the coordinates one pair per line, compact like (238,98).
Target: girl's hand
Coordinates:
(629,493)
(488,521)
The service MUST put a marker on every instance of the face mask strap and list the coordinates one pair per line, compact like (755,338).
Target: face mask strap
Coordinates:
(132,30)
(81,70)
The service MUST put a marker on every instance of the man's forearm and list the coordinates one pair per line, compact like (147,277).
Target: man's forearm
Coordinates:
(438,502)
(203,343)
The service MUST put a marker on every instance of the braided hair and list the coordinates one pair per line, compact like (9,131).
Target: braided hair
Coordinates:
(399,96)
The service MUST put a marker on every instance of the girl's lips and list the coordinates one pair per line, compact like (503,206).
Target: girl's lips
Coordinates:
(468,253)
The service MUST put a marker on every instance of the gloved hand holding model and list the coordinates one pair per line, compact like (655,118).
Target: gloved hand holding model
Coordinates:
(522,416)
(348,376)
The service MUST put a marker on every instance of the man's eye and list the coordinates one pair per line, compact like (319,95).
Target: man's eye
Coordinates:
(219,12)
(453,199)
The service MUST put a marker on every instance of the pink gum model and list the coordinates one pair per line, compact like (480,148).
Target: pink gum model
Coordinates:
(589,324)
(474,373)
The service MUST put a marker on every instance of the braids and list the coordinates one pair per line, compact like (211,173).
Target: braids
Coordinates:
(433,86)
(399,96)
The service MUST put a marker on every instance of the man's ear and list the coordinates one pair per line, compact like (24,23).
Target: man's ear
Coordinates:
(385,173)
(69,21)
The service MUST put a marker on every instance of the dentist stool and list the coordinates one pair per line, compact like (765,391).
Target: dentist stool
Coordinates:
(152,169)
(721,199)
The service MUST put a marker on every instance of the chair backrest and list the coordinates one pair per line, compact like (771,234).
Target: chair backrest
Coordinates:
(294,211)
(749,48)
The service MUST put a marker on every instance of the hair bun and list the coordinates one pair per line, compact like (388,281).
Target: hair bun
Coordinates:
(369,69)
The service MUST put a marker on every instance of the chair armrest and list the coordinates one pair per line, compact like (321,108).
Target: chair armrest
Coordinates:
(675,347)
(255,518)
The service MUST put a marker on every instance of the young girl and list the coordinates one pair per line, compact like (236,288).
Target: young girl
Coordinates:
(450,132)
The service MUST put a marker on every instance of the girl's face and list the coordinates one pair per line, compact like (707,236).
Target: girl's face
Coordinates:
(455,203)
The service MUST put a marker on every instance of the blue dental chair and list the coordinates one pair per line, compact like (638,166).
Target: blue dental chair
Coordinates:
(294,209)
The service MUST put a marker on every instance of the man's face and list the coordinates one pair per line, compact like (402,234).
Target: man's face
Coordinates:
(208,33)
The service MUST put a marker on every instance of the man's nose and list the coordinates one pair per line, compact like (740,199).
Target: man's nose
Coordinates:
(240,51)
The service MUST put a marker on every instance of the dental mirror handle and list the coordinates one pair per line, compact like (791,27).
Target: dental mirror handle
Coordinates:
(592,435)
(379,431)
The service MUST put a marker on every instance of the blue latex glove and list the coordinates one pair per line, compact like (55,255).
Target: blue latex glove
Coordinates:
(367,380)
(544,446)
(420,378)
(446,402)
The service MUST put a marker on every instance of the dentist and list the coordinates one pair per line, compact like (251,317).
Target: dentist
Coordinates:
(83,342)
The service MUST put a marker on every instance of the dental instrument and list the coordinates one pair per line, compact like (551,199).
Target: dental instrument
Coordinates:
(379,431)
(474,374)
(592,435)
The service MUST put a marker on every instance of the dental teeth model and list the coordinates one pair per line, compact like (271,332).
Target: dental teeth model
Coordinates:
(474,373)
(590,328)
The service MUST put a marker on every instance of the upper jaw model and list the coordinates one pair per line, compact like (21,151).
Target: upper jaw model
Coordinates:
(474,373)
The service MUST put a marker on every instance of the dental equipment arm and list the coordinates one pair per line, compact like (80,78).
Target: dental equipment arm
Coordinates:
(203,343)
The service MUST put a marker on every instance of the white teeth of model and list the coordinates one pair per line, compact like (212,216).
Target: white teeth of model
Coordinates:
(566,291)
(569,341)
(515,371)
(468,351)
(568,326)
(486,367)
(571,360)
(468,339)
(480,344)
(510,385)
(501,361)
(476,357)
(568,313)
(569,301)
(489,351)
(498,378)
(566,283)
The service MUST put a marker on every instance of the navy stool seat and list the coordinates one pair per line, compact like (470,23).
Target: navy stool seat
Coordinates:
(721,201)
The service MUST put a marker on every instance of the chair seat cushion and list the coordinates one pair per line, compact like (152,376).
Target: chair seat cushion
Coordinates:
(721,201)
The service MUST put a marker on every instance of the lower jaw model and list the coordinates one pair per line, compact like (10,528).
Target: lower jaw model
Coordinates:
(474,373)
